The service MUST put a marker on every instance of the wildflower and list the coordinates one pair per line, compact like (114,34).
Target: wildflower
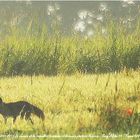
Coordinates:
(129,112)
(103,7)
(59,18)
(57,7)
(124,5)
(125,21)
(80,26)
(90,14)
(129,2)
(99,18)
(50,10)
(89,21)
(83,14)
(130,19)
(104,31)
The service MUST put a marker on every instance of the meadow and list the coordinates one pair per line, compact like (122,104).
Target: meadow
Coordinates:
(87,81)
(76,104)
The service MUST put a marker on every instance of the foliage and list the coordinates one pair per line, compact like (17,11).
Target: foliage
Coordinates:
(52,54)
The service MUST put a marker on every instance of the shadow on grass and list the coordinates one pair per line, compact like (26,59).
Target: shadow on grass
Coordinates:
(13,132)
(19,132)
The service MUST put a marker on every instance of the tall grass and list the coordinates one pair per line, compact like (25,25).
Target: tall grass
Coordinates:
(52,54)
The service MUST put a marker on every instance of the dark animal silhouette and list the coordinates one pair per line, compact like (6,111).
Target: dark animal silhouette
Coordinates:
(22,108)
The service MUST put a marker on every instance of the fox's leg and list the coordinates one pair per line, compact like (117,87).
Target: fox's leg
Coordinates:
(22,115)
(14,119)
(31,120)
(5,120)
(28,117)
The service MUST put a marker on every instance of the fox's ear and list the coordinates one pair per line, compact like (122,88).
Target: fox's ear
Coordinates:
(0,100)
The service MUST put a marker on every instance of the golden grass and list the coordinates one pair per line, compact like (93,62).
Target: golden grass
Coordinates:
(71,103)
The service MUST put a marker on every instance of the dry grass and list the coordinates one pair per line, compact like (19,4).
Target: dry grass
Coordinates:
(72,104)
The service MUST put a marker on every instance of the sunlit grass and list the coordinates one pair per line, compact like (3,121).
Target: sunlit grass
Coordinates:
(69,102)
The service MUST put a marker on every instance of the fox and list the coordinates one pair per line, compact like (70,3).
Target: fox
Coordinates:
(20,108)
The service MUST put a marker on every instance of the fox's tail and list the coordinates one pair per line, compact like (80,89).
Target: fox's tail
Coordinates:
(38,112)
